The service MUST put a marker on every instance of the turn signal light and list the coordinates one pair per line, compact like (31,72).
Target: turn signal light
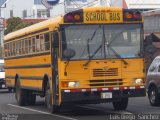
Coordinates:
(129,15)
(77,17)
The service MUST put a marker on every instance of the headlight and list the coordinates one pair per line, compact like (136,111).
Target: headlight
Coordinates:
(73,84)
(138,81)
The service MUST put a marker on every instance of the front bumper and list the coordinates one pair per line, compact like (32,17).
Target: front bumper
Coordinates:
(95,95)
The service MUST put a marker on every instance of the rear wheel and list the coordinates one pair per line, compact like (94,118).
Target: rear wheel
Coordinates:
(121,105)
(48,99)
(154,97)
(21,95)
(24,97)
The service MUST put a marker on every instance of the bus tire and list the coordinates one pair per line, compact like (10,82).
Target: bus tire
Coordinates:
(48,100)
(153,95)
(121,105)
(21,95)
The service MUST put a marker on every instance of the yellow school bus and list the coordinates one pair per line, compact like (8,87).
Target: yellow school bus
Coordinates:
(91,55)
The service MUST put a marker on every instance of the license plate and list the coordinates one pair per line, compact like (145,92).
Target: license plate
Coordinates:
(106,95)
(3,86)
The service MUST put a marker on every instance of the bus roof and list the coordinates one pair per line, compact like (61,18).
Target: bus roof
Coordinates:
(35,27)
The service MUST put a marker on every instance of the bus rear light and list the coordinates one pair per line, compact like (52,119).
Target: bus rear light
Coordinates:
(70,17)
(77,17)
(137,16)
(73,17)
(131,15)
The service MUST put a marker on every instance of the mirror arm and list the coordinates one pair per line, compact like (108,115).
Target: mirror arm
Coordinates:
(65,69)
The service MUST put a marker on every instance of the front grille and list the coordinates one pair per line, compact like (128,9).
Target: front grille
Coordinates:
(103,72)
(104,83)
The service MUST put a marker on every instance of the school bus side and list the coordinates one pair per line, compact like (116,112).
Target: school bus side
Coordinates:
(28,58)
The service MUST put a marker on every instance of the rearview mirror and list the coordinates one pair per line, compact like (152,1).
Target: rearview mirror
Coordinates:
(69,53)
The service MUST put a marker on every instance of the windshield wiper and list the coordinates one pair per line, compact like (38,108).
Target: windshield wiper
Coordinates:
(124,61)
(108,45)
(88,47)
(93,55)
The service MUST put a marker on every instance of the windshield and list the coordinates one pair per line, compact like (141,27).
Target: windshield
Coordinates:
(102,41)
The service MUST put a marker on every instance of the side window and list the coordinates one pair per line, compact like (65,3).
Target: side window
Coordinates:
(5,50)
(33,44)
(23,47)
(37,43)
(11,49)
(159,68)
(47,42)
(20,47)
(26,46)
(17,48)
(42,42)
(154,65)
(30,45)
(14,49)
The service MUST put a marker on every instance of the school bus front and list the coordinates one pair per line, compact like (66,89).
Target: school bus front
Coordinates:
(101,56)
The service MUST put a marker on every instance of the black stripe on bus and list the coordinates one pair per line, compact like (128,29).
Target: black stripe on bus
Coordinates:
(11,77)
(36,32)
(27,77)
(29,66)
(29,55)
(31,88)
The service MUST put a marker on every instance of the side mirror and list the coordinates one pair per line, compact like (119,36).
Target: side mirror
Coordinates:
(69,53)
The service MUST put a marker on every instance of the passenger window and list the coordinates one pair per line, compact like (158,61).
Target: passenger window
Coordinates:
(37,43)
(33,44)
(47,42)
(159,68)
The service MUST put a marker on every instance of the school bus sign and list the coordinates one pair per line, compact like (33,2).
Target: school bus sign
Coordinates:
(103,16)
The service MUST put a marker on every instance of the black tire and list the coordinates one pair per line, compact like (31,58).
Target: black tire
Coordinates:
(21,95)
(121,105)
(154,96)
(48,100)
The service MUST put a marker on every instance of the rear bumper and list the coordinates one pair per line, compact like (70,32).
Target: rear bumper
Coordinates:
(94,95)
(2,84)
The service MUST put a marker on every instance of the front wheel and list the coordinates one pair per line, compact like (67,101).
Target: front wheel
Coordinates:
(48,99)
(21,95)
(121,105)
(154,97)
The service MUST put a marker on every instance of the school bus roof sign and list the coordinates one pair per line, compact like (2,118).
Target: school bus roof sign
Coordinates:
(103,15)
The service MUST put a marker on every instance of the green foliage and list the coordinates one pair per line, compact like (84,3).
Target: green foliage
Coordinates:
(15,23)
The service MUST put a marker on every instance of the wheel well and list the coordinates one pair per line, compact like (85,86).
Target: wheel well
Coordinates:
(151,85)
(16,77)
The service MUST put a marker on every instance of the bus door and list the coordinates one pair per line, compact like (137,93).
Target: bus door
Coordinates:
(54,54)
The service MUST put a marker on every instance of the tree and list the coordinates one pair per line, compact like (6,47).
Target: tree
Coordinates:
(15,23)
